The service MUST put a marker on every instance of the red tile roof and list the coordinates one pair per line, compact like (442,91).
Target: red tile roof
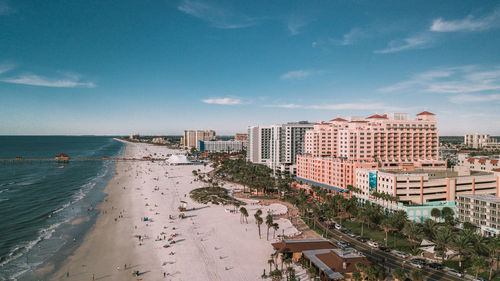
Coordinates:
(338,119)
(496,170)
(334,262)
(494,161)
(62,155)
(359,121)
(425,113)
(378,116)
(482,160)
(471,160)
(296,246)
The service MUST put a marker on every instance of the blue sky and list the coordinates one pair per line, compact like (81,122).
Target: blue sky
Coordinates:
(159,67)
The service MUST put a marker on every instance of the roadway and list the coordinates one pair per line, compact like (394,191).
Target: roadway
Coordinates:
(388,260)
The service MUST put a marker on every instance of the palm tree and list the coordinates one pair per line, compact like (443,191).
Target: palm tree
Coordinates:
(356,276)
(413,231)
(463,244)
(435,213)
(311,271)
(478,264)
(494,249)
(269,223)
(270,262)
(416,275)
(429,228)
(363,217)
(258,221)
(244,214)
(443,238)
(387,226)
(290,271)
(276,226)
(447,211)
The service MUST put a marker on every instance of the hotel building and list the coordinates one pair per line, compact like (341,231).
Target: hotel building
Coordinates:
(191,138)
(221,146)
(480,141)
(478,163)
(277,146)
(334,150)
(480,210)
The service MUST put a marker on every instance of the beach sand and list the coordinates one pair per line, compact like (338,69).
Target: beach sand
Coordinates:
(211,243)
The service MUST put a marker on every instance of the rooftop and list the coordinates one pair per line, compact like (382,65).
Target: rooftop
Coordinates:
(300,245)
(483,197)
(434,174)
(334,262)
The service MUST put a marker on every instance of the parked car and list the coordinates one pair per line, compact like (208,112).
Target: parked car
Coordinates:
(351,234)
(455,272)
(401,255)
(331,226)
(417,263)
(479,279)
(342,244)
(337,226)
(343,230)
(383,248)
(373,244)
(435,265)
(361,239)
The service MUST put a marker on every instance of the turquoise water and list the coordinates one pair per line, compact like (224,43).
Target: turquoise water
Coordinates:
(38,201)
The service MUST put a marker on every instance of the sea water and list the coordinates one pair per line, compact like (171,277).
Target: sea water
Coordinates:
(41,201)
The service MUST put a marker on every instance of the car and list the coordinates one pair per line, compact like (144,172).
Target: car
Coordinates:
(361,239)
(479,279)
(331,226)
(342,244)
(351,234)
(343,230)
(373,244)
(337,226)
(419,263)
(422,261)
(455,272)
(435,265)
(401,255)
(383,248)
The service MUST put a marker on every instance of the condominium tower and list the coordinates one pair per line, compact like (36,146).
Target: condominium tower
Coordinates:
(277,145)
(334,150)
(192,138)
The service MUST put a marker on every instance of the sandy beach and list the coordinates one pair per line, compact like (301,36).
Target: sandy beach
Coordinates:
(133,229)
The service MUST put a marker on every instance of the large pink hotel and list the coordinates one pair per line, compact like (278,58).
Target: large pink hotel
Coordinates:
(334,149)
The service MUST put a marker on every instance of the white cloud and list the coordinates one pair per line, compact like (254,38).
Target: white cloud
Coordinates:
(5,68)
(451,80)
(343,106)
(70,81)
(223,101)
(419,41)
(218,17)
(469,23)
(466,98)
(353,36)
(299,74)
(295,26)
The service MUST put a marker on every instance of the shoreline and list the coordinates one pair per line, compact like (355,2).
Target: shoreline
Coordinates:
(141,211)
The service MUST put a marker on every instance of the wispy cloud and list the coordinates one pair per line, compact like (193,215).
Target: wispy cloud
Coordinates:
(353,36)
(5,9)
(467,98)
(299,74)
(419,41)
(218,17)
(223,101)
(368,106)
(469,23)
(450,80)
(5,68)
(295,25)
(69,81)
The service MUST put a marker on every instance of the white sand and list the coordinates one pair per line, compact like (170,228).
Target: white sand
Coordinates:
(211,243)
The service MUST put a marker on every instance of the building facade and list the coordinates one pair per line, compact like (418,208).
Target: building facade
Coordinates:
(220,146)
(480,210)
(478,140)
(479,163)
(191,138)
(277,146)
(243,138)
(335,149)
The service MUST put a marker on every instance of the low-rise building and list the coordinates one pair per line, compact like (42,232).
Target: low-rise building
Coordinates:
(335,264)
(480,210)
(294,248)
(220,146)
(242,137)
(479,163)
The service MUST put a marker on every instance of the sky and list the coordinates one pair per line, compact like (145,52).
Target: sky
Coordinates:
(160,67)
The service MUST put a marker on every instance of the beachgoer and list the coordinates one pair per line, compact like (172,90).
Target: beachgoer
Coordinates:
(67,274)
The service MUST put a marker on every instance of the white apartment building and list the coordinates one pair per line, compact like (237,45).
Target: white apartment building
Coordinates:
(277,145)
(480,141)
(478,163)
(480,210)
(221,146)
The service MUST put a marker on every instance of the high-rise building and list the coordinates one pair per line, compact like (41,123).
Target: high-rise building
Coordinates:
(335,149)
(191,138)
(243,138)
(277,145)
(480,141)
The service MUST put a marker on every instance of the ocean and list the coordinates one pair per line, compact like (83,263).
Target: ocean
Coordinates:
(46,208)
